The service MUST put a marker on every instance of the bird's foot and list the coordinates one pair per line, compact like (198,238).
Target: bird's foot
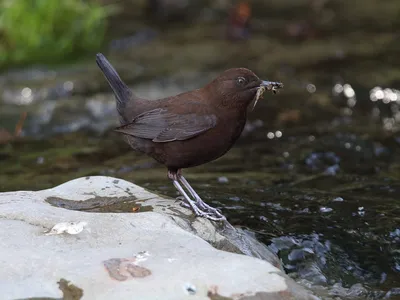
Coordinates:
(184,204)
(199,207)
(200,203)
(201,212)
(202,209)
(206,207)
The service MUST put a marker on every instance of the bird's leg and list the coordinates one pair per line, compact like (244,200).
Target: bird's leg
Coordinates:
(199,202)
(193,204)
(199,207)
(190,203)
(174,177)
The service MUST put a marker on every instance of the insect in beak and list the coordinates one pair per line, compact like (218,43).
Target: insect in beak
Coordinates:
(267,86)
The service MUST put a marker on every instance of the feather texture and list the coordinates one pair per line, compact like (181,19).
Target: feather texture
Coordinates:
(160,125)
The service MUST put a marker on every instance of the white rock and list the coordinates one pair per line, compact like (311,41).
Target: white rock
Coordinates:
(68,227)
(145,255)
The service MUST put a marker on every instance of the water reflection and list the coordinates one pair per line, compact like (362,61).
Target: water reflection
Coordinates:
(386,106)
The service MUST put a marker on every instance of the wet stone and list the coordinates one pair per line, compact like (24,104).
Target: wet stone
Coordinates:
(197,256)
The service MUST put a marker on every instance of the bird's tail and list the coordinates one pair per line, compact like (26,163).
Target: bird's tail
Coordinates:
(120,89)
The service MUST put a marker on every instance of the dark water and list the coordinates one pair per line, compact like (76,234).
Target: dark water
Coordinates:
(316,173)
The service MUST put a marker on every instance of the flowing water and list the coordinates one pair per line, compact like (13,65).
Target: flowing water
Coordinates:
(320,186)
(315,175)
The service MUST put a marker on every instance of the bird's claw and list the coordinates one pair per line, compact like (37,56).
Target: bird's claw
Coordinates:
(185,204)
(200,210)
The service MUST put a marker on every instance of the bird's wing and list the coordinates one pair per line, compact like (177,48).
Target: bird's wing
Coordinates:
(162,125)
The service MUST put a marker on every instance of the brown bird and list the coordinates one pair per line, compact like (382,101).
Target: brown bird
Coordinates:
(188,129)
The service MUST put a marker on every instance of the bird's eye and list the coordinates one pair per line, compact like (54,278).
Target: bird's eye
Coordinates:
(241,80)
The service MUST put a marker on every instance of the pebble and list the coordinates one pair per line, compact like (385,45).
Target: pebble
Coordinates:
(338,199)
(223,179)
(325,209)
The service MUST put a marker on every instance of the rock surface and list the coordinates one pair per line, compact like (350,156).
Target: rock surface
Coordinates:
(158,251)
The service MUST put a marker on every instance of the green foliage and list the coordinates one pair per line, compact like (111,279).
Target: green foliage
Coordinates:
(49,30)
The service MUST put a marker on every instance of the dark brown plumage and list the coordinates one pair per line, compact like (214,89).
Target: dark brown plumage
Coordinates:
(188,129)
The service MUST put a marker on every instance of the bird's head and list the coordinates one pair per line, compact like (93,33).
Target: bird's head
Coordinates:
(238,87)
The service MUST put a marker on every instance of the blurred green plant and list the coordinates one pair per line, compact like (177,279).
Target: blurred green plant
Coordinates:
(49,30)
